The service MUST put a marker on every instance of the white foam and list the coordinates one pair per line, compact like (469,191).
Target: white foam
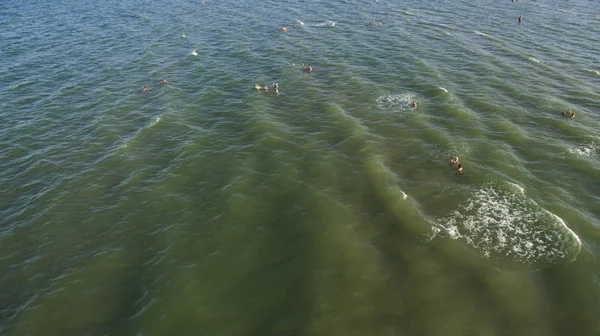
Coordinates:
(595,72)
(441,88)
(155,121)
(183,35)
(325,24)
(518,187)
(300,22)
(588,149)
(395,102)
(480,33)
(534,60)
(499,221)
(404,196)
(194,53)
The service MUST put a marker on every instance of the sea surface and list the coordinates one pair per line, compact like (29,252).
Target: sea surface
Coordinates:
(206,207)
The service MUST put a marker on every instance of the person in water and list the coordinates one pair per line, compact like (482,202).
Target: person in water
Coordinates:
(306,68)
(266,88)
(276,86)
(165,81)
(277,91)
(284,29)
(145,88)
(520,18)
(413,104)
(256,86)
(454,161)
(572,115)
(460,168)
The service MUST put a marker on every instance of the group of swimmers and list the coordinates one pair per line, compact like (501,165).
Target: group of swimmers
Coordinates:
(145,88)
(266,88)
(454,162)
(569,114)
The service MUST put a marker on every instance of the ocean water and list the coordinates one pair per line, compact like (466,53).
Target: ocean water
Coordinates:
(205,207)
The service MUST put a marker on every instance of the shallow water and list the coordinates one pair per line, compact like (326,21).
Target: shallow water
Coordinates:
(205,207)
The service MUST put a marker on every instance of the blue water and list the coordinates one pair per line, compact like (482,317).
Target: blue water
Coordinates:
(206,207)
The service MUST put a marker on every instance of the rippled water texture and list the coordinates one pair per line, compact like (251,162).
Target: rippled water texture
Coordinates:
(206,207)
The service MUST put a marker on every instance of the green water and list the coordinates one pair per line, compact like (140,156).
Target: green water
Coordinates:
(204,207)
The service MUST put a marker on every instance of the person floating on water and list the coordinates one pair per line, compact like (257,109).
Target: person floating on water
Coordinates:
(293,65)
(572,115)
(164,81)
(413,104)
(454,161)
(145,88)
(256,86)
(276,86)
(306,68)
(460,168)
(284,29)
(520,18)
(266,88)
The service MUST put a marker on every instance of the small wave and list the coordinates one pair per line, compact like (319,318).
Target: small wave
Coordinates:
(300,22)
(194,53)
(535,60)
(588,149)
(325,24)
(395,102)
(155,121)
(518,187)
(480,33)
(595,72)
(499,220)
(441,88)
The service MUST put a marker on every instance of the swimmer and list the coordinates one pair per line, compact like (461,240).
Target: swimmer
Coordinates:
(145,88)
(266,88)
(256,86)
(276,86)
(165,81)
(413,104)
(293,65)
(277,91)
(572,115)
(460,168)
(520,18)
(454,160)
(284,29)
(372,21)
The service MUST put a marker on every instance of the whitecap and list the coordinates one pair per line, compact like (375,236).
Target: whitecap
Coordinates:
(154,121)
(595,72)
(325,24)
(500,221)
(518,187)
(534,60)
(194,53)
(395,102)
(588,149)
(480,33)
(441,88)
(300,22)
(183,35)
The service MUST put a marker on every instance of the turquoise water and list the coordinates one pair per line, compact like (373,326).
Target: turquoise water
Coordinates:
(204,207)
